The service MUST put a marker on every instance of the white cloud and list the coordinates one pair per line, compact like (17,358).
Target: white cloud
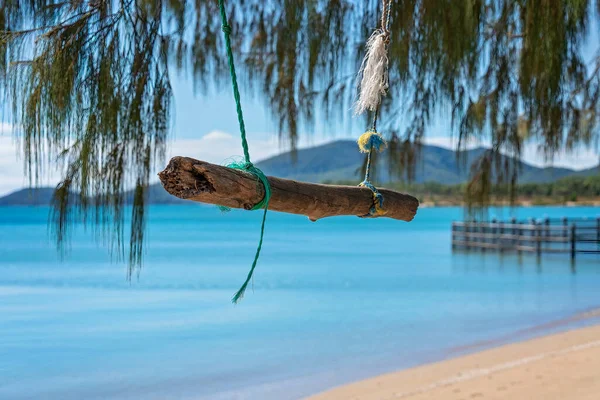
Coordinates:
(5,128)
(216,136)
(532,153)
(450,142)
(11,166)
(578,159)
(219,147)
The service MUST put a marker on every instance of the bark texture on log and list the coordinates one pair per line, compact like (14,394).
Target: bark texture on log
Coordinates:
(200,181)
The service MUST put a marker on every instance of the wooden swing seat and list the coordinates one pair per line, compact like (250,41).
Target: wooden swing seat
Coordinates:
(190,179)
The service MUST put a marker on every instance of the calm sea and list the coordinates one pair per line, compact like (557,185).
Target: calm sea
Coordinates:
(332,301)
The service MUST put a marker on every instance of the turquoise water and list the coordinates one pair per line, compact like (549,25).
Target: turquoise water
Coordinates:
(326,308)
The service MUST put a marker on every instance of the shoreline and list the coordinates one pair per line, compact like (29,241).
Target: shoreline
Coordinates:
(554,366)
(518,203)
(422,204)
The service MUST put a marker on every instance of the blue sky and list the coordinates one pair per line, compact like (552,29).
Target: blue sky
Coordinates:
(206,127)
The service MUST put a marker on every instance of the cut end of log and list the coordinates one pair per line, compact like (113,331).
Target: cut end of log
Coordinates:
(184,186)
(190,179)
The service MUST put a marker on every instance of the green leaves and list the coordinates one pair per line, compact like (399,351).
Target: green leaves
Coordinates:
(90,89)
(88,83)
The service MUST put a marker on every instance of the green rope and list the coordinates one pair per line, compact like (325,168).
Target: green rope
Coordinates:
(247,164)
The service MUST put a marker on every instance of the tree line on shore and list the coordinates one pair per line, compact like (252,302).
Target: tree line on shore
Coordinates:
(569,189)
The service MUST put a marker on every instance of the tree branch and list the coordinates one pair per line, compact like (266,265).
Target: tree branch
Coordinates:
(200,181)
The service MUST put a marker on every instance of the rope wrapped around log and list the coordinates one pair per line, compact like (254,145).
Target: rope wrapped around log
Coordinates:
(200,181)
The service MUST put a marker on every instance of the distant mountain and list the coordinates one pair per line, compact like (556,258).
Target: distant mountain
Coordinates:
(341,161)
(28,197)
(158,195)
(43,196)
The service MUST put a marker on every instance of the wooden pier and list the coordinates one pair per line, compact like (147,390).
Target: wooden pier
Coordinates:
(571,236)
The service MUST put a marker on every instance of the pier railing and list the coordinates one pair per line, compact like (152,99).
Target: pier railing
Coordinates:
(573,236)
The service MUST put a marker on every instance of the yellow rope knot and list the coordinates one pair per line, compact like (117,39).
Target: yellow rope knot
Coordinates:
(371,139)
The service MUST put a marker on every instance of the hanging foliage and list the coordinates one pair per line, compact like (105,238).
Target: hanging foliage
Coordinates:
(87,83)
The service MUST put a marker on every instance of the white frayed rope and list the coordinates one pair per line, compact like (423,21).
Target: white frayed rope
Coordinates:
(374,71)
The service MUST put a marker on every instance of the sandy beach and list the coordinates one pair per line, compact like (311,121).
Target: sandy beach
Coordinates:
(564,366)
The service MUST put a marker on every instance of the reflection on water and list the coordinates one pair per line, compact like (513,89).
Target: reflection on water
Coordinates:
(475,261)
(326,308)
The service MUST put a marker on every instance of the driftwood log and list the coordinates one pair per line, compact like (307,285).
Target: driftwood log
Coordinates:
(203,182)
